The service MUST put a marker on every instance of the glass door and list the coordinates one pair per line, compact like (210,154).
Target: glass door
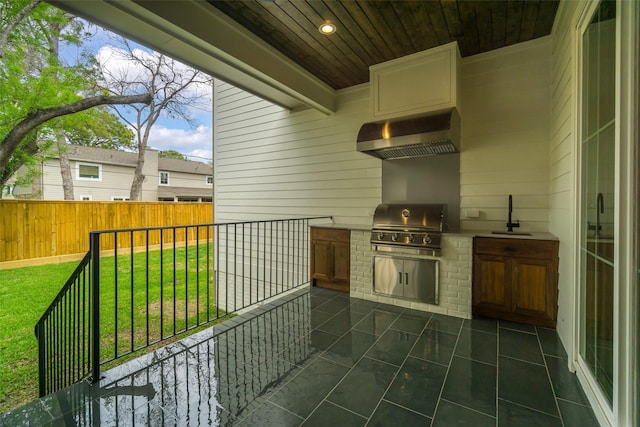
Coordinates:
(598,195)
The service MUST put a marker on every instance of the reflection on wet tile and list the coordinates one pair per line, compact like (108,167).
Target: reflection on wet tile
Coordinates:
(481,324)
(363,387)
(443,323)
(376,322)
(287,363)
(388,414)
(451,415)
(307,389)
(269,414)
(417,386)
(510,414)
(328,414)
(435,346)
(477,345)
(409,323)
(341,322)
(526,384)
(522,327)
(471,384)
(350,348)
(393,347)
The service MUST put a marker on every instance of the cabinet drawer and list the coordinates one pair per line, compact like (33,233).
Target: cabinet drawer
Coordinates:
(330,234)
(527,248)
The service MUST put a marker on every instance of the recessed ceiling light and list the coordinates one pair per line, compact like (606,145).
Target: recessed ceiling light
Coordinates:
(327,28)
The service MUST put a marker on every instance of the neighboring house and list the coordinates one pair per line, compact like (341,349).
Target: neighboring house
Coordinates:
(101,174)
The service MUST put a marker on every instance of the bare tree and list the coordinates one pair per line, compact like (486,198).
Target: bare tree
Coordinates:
(176,89)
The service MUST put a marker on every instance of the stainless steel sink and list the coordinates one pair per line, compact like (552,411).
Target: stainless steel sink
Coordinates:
(512,233)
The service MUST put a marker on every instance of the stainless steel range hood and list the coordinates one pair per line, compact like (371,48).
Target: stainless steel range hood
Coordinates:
(412,137)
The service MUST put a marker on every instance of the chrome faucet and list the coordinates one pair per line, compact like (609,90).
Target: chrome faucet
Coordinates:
(510,224)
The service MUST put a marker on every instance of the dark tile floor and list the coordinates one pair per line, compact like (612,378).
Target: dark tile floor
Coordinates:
(318,357)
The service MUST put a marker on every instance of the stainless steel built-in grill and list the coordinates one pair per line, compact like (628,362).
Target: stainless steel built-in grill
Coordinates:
(398,230)
(417,226)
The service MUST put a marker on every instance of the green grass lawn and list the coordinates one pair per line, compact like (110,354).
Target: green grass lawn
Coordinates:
(26,292)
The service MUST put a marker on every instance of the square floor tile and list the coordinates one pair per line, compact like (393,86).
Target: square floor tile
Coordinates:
(565,383)
(387,414)
(574,414)
(363,387)
(417,386)
(451,415)
(550,342)
(520,345)
(341,322)
(526,384)
(435,346)
(512,415)
(307,389)
(516,326)
(478,345)
(471,384)
(328,414)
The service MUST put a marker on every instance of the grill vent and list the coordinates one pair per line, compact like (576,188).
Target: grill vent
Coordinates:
(416,150)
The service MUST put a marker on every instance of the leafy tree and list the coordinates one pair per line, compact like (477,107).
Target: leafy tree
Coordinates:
(171,154)
(176,89)
(35,88)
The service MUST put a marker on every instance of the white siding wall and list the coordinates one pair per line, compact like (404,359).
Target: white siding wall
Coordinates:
(182,179)
(562,164)
(272,163)
(505,136)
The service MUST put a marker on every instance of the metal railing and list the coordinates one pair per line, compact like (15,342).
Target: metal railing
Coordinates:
(159,282)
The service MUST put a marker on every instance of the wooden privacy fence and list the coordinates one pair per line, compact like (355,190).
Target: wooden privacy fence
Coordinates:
(39,229)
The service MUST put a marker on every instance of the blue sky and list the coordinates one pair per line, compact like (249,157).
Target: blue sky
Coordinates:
(167,133)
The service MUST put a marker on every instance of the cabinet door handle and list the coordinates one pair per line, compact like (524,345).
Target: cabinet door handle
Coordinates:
(406,278)
(400,277)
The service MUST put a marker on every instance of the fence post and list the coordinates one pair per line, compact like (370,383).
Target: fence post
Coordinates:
(42,386)
(94,247)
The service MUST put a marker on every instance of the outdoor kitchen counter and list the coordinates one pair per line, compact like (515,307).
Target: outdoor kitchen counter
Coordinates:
(484,233)
(358,227)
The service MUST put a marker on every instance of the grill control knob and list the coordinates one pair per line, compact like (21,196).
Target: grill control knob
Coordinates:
(426,239)
(380,236)
(394,237)
(412,238)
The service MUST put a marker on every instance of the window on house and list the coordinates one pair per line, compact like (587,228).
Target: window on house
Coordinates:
(119,198)
(85,197)
(209,179)
(164,178)
(89,171)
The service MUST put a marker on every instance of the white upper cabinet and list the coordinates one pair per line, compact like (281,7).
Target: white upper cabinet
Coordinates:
(420,83)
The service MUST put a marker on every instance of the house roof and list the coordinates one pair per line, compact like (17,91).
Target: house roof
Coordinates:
(187,166)
(101,155)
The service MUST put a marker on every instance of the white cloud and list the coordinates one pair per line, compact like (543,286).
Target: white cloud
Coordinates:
(196,143)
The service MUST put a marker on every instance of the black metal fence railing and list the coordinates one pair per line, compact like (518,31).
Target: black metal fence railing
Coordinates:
(139,287)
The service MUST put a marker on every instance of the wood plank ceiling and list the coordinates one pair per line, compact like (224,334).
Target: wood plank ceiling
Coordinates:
(370,32)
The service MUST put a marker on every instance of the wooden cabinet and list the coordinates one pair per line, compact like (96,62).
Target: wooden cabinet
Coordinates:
(516,279)
(330,258)
(420,83)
